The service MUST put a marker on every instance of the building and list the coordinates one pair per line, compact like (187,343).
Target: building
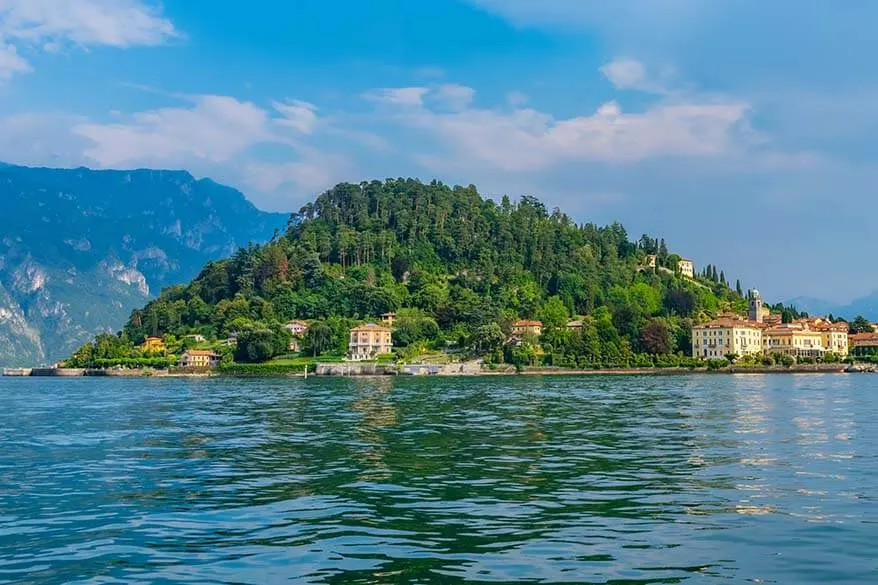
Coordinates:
(153,345)
(368,341)
(863,344)
(388,319)
(297,328)
(793,339)
(196,358)
(686,268)
(726,336)
(651,260)
(834,335)
(527,327)
(756,305)
(197,338)
(763,332)
(575,325)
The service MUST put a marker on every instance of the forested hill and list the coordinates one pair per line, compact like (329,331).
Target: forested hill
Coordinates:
(458,268)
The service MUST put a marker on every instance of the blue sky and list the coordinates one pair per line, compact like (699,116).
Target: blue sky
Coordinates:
(742,131)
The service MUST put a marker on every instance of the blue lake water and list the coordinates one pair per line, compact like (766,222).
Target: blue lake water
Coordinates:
(699,479)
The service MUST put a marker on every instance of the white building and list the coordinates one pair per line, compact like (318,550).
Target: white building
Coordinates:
(687,267)
(722,337)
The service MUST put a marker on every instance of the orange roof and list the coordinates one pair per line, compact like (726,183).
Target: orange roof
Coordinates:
(200,352)
(527,323)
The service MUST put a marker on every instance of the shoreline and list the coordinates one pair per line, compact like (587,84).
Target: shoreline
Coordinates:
(392,371)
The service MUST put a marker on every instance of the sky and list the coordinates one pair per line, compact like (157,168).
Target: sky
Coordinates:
(741,131)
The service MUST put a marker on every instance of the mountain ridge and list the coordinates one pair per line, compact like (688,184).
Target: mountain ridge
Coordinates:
(82,248)
(867,306)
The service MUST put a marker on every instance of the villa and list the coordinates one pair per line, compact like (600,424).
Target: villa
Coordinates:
(369,341)
(153,345)
(726,336)
(527,327)
(196,358)
(686,267)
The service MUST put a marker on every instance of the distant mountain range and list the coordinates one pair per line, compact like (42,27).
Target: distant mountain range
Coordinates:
(866,306)
(79,249)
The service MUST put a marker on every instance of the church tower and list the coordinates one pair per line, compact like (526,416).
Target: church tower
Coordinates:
(755,313)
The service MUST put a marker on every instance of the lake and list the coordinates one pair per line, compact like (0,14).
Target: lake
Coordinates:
(696,479)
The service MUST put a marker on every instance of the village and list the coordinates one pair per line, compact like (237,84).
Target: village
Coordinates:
(757,338)
(759,334)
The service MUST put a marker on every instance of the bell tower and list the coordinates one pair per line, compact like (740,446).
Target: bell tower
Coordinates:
(756,303)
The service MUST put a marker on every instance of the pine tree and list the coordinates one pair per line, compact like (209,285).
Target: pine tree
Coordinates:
(738,288)
(722,277)
(663,250)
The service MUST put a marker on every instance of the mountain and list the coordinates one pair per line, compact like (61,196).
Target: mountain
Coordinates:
(458,269)
(81,248)
(866,306)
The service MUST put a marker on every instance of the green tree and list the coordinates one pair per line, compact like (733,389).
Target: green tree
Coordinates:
(860,325)
(553,313)
(318,338)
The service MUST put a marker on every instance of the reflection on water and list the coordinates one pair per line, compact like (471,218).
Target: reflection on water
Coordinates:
(401,480)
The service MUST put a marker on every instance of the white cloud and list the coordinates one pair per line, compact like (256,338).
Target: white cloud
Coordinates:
(116,23)
(631,74)
(399,96)
(516,99)
(312,173)
(298,115)
(50,25)
(40,139)
(454,96)
(218,136)
(529,140)
(215,129)
(11,62)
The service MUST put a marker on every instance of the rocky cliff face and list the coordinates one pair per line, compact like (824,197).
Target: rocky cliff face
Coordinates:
(79,249)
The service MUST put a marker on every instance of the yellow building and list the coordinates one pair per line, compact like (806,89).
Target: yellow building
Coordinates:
(793,339)
(153,345)
(834,336)
(369,341)
(196,358)
(726,336)
(525,327)
(687,267)
(388,319)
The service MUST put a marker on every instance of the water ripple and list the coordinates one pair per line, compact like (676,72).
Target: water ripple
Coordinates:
(556,480)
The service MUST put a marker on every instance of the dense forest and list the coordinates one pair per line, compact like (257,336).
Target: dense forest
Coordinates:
(457,268)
